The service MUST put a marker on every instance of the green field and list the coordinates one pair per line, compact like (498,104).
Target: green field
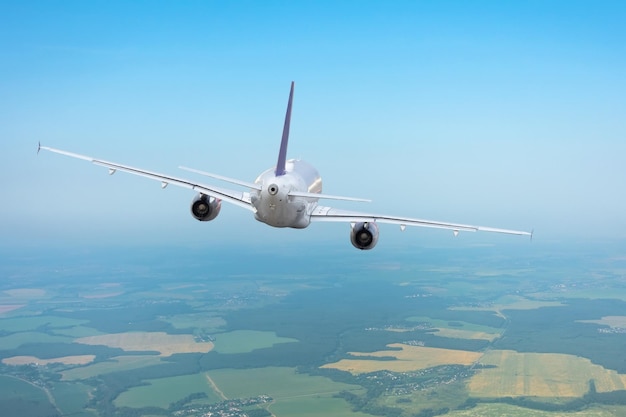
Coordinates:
(205,321)
(164,391)
(24,324)
(509,302)
(15,340)
(19,398)
(294,394)
(71,398)
(12,387)
(76,331)
(456,324)
(120,363)
(244,341)
(277,382)
(313,406)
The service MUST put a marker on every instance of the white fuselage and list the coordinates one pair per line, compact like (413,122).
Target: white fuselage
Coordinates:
(275,206)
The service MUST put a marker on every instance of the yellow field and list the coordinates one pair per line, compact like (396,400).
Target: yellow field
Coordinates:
(409,358)
(163,343)
(500,410)
(612,321)
(466,334)
(66,360)
(541,375)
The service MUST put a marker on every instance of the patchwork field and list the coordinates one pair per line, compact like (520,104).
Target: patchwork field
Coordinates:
(408,358)
(76,326)
(541,375)
(163,343)
(66,360)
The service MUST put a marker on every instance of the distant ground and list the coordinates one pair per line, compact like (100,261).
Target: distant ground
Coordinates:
(409,332)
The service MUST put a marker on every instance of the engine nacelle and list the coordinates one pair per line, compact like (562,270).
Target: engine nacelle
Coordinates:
(205,208)
(364,235)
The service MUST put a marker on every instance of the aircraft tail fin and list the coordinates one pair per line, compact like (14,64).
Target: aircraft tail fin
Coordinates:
(282,153)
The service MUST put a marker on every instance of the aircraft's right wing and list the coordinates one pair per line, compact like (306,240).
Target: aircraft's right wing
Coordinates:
(329,214)
(238,198)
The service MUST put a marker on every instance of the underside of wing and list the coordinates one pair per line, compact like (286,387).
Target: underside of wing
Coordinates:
(241,199)
(329,214)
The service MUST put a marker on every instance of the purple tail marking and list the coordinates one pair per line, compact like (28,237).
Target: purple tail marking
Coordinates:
(282,154)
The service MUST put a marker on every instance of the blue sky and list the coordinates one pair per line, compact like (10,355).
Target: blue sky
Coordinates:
(505,114)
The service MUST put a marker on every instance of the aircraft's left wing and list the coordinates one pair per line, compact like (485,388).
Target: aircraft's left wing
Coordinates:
(329,214)
(241,199)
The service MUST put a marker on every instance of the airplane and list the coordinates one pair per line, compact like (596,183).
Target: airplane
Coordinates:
(286,195)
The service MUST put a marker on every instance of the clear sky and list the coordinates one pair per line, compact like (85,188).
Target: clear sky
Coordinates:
(504,114)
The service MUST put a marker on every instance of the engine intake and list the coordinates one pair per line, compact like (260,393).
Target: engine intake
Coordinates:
(205,208)
(364,235)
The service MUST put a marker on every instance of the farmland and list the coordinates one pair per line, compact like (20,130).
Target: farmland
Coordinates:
(66,360)
(541,375)
(457,333)
(294,394)
(611,321)
(164,391)
(406,359)
(163,343)
(116,364)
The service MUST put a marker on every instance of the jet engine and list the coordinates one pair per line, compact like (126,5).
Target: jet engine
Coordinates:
(205,208)
(364,235)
